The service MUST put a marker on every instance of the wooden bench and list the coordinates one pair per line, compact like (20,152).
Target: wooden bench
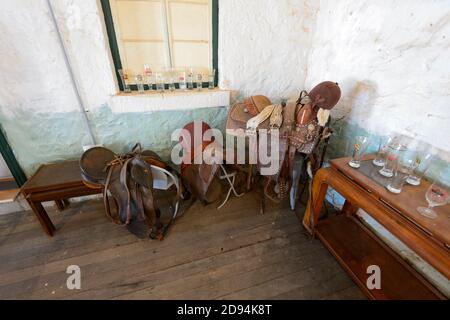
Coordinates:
(54,182)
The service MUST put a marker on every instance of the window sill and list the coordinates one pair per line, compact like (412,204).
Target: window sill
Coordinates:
(178,100)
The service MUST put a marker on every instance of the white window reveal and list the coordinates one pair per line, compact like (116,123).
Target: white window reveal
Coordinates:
(164,34)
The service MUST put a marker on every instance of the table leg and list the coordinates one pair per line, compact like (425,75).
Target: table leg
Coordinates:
(349,209)
(249,177)
(66,203)
(42,216)
(60,205)
(318,193)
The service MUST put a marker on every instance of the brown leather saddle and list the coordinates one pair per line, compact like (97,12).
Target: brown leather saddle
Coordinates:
(199,178)
(129,180)
(300,130)
(203,180)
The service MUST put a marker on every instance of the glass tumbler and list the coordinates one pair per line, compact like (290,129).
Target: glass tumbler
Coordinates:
(148,76)
(159,81)
(380,158)
(423,161)
(403,169)
(211,79)
(359,148)
(182,80)
(199,79)
(124,80)
(190,79)
(170,78)
(393,152)
(139,83)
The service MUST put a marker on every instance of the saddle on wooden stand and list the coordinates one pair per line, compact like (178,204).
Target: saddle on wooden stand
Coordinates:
(203,178)
(129,180)
(302,125)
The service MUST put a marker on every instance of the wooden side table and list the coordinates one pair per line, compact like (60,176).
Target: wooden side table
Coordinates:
(356,247)
(54,182)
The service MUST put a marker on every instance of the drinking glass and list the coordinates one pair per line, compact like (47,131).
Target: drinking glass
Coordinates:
(139,83)
(211,79)
(380,158)
(437,195)
(199,79)
(423,160)
(123,79)
(182,80)
(190,79)
(393,152)
(160,81)
(170,78)
(359,148)
(403,169)
(148,76)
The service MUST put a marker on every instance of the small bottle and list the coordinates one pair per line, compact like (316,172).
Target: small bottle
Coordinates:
(199,81)
(123,79)
(159,82)
(211,79)
(139,83)
(190,79)
(149,76)
(182,80)
(171,80)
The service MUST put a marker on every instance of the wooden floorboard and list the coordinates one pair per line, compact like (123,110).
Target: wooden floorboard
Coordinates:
(232,253)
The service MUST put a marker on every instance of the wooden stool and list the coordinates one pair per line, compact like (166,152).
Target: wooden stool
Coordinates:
(54,182)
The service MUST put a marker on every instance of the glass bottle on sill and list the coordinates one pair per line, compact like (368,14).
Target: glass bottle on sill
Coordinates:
(124,79)
(211,79)
(139,83)
(159,82)
(171,79)
(199,81)
(190,79)
(148,76)
(182,80)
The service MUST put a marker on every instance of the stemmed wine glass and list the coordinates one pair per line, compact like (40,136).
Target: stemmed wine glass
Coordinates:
(437,195)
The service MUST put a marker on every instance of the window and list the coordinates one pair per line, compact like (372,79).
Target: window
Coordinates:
(164,34)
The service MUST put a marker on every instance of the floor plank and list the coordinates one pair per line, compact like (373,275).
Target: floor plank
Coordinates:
(232,253)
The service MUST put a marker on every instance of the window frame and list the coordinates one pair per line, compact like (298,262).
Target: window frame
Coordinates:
(114,47)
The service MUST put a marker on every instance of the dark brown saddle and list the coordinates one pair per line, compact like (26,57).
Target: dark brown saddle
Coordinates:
(203,180)
(299,133)
(129,180)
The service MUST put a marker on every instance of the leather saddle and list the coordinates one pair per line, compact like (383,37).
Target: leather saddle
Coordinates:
(203,178)
(301,127)
(199,178)
(129,180)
